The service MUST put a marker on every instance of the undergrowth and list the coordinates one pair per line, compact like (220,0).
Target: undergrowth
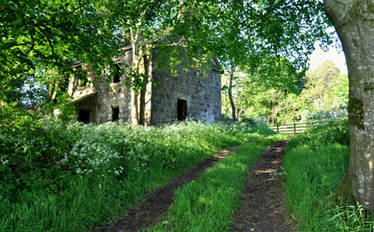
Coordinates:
(66,176)
(314,165)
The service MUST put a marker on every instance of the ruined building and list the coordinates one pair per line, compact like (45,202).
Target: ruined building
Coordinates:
(167,98)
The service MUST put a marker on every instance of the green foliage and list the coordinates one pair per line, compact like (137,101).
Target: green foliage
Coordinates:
(314,165)
(38,36)
(262,128)
(249,125)
(53,34)
(329,133)
(277,93)
(234,31)
(265,90)
(56,174)
(31,157)
(325,90)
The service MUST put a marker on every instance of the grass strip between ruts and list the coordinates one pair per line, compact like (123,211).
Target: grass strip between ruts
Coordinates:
(208,203)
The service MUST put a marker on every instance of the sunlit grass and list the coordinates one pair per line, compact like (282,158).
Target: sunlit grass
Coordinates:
(315,164)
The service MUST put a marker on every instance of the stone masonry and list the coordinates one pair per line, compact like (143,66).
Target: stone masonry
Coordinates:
(168,99)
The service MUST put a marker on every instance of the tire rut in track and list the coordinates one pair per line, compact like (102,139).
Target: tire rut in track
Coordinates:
(262,204)
(152,209)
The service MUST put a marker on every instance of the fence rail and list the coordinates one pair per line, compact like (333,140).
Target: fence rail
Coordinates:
(296,127)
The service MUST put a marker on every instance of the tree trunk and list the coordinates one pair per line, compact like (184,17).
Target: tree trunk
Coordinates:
(232,103)
(143,91)
(136,62)
(354,23)
(52,92)
(238,112)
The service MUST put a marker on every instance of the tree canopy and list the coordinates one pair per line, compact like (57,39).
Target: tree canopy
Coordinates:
(40,35)
(285,97)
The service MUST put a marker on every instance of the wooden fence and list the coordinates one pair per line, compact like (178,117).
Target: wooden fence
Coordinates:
(296,127)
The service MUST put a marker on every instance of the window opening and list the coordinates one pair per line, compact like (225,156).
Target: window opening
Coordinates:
(116,77)
(115,114)
(84,116)
(181,109)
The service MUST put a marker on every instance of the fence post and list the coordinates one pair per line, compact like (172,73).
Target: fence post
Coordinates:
(294,128)
(277,128)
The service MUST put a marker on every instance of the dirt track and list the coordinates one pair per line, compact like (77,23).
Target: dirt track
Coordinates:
(262,203)
(156,205)
(261,206)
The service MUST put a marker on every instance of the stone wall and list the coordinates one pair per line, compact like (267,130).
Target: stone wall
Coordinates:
(103,97)
(203,95)
(111,96)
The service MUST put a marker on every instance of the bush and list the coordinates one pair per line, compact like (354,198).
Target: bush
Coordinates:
(329,133)
(250,125)
(31,155)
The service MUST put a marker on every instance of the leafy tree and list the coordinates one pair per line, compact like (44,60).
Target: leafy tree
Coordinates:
(144,29)
(325,90)
(284,96)
(353,20)
(45,34)
(241,33)
(261,90)
(53,34)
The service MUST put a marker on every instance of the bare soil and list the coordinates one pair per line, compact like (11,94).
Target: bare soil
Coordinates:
(151,210)
(262,203)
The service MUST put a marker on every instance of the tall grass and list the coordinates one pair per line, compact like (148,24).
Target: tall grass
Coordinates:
(61,176)
(315,164)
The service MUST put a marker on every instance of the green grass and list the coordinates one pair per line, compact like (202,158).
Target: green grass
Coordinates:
(95,172)
(314,165)
(207,204)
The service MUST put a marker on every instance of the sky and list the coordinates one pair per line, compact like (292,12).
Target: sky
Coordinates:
(334,54)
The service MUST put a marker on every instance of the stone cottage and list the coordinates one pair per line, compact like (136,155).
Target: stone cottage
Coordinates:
(167,98)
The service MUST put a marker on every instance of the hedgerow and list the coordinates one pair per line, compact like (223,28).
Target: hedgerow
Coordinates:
(65,169)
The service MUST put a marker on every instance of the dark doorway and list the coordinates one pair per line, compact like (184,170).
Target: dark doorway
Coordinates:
(115,114)
(84,115)
(181,109)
